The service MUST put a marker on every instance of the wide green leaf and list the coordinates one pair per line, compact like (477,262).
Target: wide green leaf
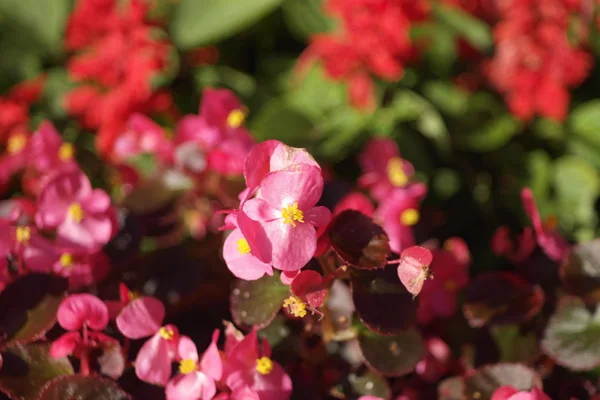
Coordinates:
(201,22)
(484,382)
(76,387)
(474,31)
(306,18)
(28,367)
(257,302)
(572,337)
(585,122)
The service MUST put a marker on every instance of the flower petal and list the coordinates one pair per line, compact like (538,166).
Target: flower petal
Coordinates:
(65,345)
(243,265)
(153,361)
(211,363)
(299,183)
(141,318)
(78,309)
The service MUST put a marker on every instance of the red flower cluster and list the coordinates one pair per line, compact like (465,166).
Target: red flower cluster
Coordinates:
(535,62)
(373,39)
(117,55)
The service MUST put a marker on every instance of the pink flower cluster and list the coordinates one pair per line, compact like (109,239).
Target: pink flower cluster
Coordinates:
(538,55)
(117,53)
(243,371)
(374,38)
(62,227)
(277,221)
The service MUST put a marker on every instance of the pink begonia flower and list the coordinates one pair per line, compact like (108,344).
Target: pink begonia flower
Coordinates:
(554,245)
(4,273)
(518,250)
(48,151)
(355,201)
(413,268)
(271,156)
(508,392)
(438,298)
(82,216)
(383,169)
(217,132)
(143,317)
(436,362)
(239,250)
(286,211)
(397,214)
(80,267)
(142,136)
(77,312)
(248,365)
(196,378)
(16,154)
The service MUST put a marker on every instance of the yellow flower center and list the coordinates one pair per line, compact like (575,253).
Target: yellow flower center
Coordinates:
(166,333)
(23,234)
(16,143)
(264,365)
(187,366)
(75,212)
(291,214)
(242,246)
(236,118)
(132,295)
(66,151)
(409,217)
(66,260)
(396,173)
(295,306)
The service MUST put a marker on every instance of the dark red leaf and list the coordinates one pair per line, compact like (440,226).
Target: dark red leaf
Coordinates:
(76,387)
(580,271)
(484,382)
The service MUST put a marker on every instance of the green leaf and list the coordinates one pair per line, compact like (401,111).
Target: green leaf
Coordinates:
(276,332)
(492,135)
(450,98)
(257,302)
(540,173)
(370,384)
(391,355)
(473,30)
(306,18)
(451,388)
(482,384)
(585,122)
(580,271)
(572,337)
(577,187)
(29,318)
(515,346)
(76,387)
(201,22)
(277,120)
(27,367)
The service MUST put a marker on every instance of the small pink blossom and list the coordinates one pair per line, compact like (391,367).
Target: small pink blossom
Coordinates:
(383,169)
(508,392)
(435,364)
(439,295)
(140,317)
(355,201)
(518,250)
(554,245)
(286,211)
(249,365)
(48,150)
(15,156)
(82,216)
(142,136)
(197,377)
(413,268)
(398,214)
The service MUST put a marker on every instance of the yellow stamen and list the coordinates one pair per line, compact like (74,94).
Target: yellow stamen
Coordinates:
(75,212)
(66,260)
(264,365)
(295,306)
(16,143)
(236,118)
(242,246)
(166,333)
(132,295)
(291,214)
(187,366)
(66,151)
(409,217)
(396,173)
(23,234)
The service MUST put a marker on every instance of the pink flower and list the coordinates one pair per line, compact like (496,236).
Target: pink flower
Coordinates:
(248,365)
(517,250)
(286,211)
(436,361)
(553,245)
(143,317)
(271,156)
(510,393)
(82,216)
(80,312)
(413,268)
(48,150)
(397,214)
(16,155)
(196,378)
(439,295)
(383,169)
(355,201)
(238,250)
(143,136)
